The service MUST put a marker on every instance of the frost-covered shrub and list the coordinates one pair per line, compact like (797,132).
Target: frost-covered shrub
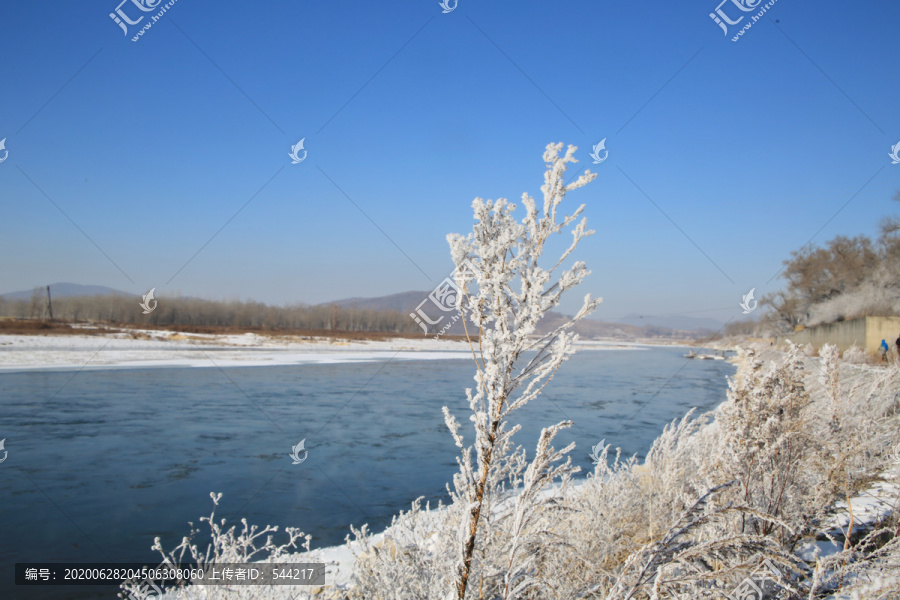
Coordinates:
(505,289)
(713,499)
(513,291)
(414,558)
(227,545)
(765,437)
(855,355)
(625,506)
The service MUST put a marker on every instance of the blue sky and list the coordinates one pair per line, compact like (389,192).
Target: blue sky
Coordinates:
(723,156)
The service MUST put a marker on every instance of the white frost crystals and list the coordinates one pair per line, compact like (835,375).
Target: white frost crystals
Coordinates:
(505,253)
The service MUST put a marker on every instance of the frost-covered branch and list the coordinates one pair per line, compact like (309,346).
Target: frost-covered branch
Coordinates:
(504,300)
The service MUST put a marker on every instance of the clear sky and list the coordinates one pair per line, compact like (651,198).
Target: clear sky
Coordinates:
(164,162)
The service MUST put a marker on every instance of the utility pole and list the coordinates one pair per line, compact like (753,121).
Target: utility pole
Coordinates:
(334,319)
(49,303)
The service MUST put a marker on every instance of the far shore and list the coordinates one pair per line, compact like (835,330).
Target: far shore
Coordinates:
(91,347)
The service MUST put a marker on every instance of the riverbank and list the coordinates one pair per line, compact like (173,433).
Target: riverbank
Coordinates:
(143,348)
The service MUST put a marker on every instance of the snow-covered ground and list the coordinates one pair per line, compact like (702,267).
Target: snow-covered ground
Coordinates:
(873,505)
(149,348)
(152,348)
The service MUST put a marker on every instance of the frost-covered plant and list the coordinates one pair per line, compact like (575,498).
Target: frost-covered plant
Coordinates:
(693,521)
(855,355)
(413,558)
(765,437)
(502,521)
(690,560)
(227,545)
(626,506)
(529,542)
(511,293)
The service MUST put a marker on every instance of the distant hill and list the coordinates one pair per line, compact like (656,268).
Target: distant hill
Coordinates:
(407,302)
(61,290)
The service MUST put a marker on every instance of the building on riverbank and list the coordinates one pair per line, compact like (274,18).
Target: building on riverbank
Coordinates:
(865,332)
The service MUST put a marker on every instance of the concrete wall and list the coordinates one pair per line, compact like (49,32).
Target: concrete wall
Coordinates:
(865,332)
(882,328)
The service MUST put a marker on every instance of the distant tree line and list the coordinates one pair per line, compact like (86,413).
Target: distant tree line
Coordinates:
(743,328)
(847,278)
(196,312)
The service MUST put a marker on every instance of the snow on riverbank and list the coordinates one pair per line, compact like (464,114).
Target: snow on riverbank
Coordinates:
(141,348)
(147,348)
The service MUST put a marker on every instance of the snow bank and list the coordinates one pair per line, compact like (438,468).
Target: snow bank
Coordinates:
(147,348)
(140,348)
